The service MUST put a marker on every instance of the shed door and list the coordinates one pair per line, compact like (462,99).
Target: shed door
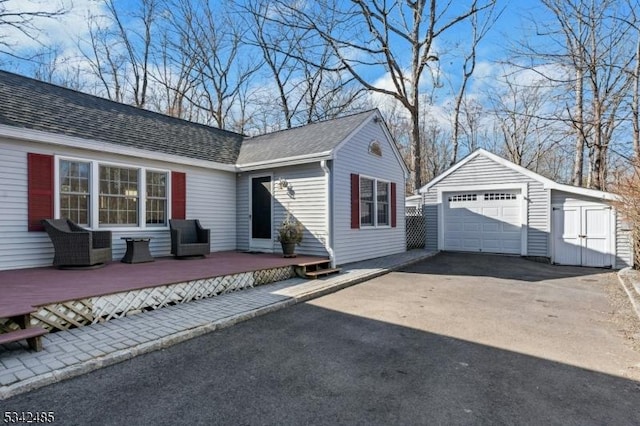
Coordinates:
(582,235)
(483,221)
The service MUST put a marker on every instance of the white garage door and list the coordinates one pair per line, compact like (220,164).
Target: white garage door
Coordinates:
(483,221)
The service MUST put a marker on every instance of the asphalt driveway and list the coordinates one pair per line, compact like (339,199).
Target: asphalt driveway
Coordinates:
(457,339)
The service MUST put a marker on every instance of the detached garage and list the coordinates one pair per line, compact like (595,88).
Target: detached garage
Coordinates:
(487,204)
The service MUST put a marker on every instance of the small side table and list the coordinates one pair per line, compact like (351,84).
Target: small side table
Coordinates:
(137,250)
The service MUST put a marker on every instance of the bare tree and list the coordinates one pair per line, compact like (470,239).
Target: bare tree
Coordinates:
(106,65)
(470,119)
(635,102)
(591,42)
(25,23)
(50,65)
(276,44)
(635,85)
(628,204)
(478,31)
(174,77)
(305,92)
(212,37)
(525,136)
(372,37)
(120,49)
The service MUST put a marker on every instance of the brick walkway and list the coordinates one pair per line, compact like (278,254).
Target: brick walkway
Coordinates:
(74,352)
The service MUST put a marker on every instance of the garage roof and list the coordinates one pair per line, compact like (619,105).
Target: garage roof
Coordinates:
(548,183)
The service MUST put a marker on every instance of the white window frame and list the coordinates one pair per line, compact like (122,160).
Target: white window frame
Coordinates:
(94,193)
(375,224)
(59,192)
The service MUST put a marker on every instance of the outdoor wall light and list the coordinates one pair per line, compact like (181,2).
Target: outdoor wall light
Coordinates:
(283,183)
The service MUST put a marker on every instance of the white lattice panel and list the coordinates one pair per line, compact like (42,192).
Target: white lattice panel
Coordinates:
(63,316)
(77,313)
(119,304)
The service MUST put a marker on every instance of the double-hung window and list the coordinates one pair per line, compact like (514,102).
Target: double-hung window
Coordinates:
(74,191)
(374,202)
(382,198)
(98,194)
(118,196)
(156,204)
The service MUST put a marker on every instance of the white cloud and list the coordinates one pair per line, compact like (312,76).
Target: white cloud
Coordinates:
(63,30)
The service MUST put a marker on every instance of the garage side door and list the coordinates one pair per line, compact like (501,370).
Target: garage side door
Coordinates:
(482,221)
(582,235)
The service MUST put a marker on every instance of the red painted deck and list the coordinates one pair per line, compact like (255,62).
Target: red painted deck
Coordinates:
(42,286)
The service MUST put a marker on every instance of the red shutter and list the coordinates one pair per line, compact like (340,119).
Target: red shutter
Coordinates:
(355,201)
(394,213)
(40,190)
(178,195)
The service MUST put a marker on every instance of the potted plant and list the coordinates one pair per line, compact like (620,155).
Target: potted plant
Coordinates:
(290,234)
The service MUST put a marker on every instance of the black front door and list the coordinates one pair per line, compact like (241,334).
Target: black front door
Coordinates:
(261,208)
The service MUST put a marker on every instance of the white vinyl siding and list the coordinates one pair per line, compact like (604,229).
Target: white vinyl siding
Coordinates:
(18,248)
(624,245)
(484,172)
(305,197)
(242,211)
(210,198)
(351,245)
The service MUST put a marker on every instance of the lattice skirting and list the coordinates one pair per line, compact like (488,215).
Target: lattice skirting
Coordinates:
(62,316)
(416,231)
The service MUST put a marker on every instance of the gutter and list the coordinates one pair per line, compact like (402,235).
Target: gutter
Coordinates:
(329,241)
(284,162)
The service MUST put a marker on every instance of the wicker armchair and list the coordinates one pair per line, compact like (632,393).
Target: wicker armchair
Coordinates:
(189,238)
(75,246)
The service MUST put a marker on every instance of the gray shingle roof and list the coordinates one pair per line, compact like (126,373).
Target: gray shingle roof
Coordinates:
(32,104)
(312,138)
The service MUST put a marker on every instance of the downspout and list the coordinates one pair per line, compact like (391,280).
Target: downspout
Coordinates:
(329,231)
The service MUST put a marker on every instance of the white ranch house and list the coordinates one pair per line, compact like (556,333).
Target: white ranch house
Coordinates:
(112,166)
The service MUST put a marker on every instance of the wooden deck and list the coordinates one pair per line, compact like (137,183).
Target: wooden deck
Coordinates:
(45,286)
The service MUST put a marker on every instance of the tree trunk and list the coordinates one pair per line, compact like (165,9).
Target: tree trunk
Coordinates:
(635,104)
(578,162)
(416,149)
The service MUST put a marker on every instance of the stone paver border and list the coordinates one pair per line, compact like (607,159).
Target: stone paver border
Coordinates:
(78,351)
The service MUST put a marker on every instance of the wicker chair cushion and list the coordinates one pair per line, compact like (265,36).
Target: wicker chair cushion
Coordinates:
(188,234)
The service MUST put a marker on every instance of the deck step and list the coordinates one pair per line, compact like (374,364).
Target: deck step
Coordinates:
(320,272)
(16,311)
(33,336)
(314,263)
(315,268)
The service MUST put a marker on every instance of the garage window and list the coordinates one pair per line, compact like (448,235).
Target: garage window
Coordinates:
(462,197)
(492,196)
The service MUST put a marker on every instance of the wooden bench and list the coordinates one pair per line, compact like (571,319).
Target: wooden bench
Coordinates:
(22,317)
